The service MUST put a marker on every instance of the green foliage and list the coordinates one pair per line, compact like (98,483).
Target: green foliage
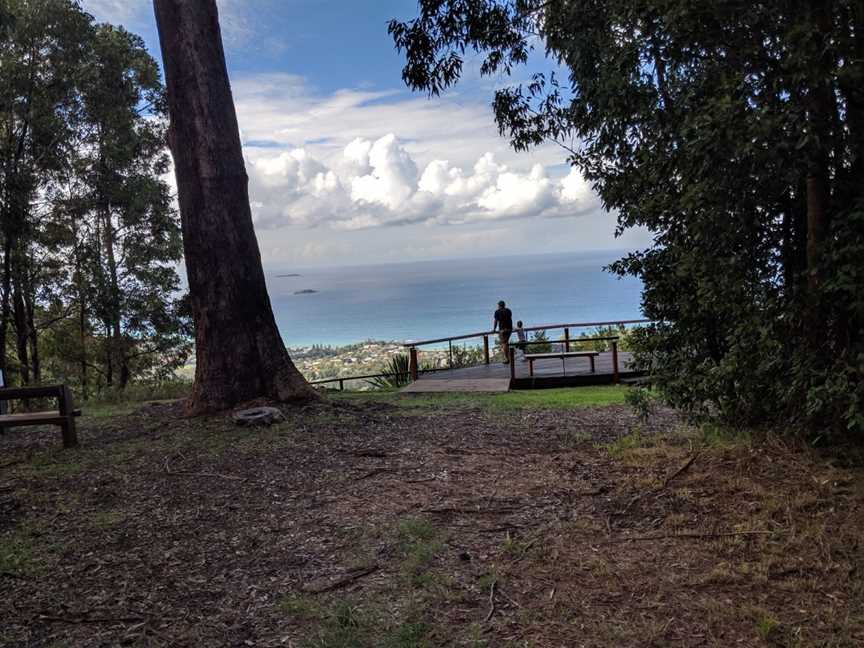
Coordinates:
(642,401)
(344,627)
(624,444)
(733,132)
(467,356)
(398,368)
(419,544)
(89,287)
(540,343)
(623,335)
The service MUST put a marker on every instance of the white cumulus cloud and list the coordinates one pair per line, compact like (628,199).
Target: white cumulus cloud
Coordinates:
(377,182)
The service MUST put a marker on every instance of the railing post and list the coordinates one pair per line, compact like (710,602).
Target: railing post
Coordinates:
(412,363)
(341,385)
(567,340)
(615,361)
(486,348)
(512,363)
(450,347)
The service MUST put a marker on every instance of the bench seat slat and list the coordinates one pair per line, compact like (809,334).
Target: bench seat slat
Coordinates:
(562,354)
(31,418)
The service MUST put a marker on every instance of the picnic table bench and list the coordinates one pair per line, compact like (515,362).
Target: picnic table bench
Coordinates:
(563,355)
(64,414)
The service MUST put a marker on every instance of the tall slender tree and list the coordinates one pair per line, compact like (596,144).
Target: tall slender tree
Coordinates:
(239,352)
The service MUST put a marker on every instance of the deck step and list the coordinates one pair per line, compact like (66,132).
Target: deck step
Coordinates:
(458,385)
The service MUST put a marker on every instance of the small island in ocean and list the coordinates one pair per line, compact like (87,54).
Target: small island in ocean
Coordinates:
(290,274)
(305,291)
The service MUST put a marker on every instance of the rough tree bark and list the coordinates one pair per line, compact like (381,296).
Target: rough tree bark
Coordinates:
(239,352)
(22,331)
(821,107)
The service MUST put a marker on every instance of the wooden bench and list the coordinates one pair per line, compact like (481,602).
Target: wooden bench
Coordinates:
(64,415)
(563,355)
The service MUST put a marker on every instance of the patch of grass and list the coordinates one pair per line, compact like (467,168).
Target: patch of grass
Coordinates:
(486,579)
(419,544)
(642,401)
(345,626)
(106,519)
(54,464)
(299,606)
(719,436)
(572,438)
(516,548)
(562,398)
(767,627)
(409,634)
(474,636)
(621,446)
(18,553)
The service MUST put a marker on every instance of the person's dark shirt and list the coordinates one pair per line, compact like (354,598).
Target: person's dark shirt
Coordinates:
(504,318)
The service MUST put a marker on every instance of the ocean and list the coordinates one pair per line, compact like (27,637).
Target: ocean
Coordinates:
(433,299)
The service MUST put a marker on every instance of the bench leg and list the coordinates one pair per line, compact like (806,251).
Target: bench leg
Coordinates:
(563,365)
(531,367)
(70,436)
(67,409)
(592,363)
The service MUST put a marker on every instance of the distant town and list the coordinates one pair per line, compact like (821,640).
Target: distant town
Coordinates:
(318,361)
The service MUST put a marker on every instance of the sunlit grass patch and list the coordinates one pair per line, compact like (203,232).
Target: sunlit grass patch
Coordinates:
(419,544)
(561,398)
(28,550)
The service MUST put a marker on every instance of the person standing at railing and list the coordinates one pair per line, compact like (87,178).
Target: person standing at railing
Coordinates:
(502,322)
(520,341)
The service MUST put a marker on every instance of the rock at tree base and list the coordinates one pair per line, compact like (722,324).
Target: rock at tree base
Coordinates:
(258,416)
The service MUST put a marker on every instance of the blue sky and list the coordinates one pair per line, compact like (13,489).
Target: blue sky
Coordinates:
(347,166)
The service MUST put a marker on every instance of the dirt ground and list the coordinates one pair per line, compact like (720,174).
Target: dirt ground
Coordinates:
(408,522)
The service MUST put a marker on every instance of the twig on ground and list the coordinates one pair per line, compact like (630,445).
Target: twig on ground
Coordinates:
(665,483)
(377,454)
(86,619)
(376,471)
(498,511)
(685,535)
(347,579)
(190,473)
(491,600)
(684,467)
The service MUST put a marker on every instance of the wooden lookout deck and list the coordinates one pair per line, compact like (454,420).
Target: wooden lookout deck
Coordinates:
(611,365)
(495,377)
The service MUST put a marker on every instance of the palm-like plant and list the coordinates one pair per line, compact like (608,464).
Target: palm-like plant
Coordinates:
(397,371)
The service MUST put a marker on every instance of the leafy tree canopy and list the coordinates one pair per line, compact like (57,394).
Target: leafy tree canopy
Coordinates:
(733,131)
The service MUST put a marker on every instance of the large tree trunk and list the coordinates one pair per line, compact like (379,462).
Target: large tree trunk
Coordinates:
(822,108)
(22,332)
(35,359)
(239,353)
(116,342)
(5,309)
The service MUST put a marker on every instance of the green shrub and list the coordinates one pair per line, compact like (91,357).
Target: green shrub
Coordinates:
(642,401)
(398,367)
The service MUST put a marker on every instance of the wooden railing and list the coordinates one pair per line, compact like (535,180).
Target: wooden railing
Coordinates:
(414,370)
(413,361)
(343,379)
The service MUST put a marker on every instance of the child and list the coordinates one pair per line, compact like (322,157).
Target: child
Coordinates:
(520,341)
